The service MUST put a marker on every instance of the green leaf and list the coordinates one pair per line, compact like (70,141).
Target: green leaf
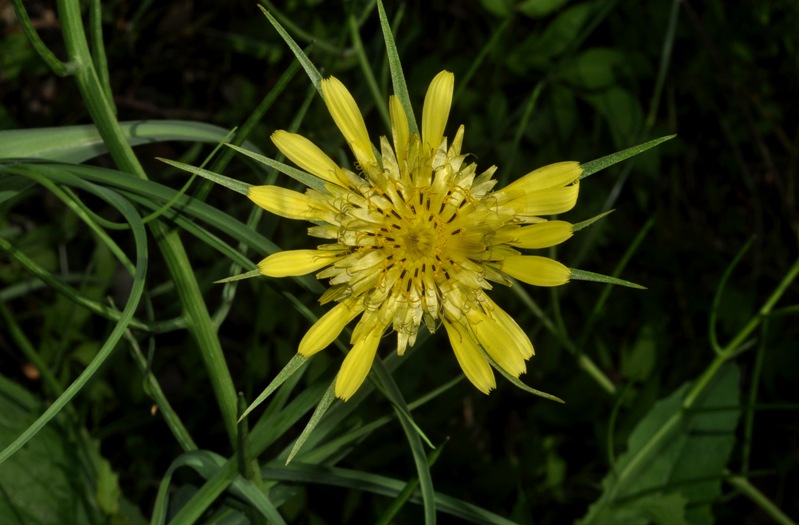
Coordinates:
(220,474)
(354,479)
(59,477)
(137,288)
(582,275)
(594,68)
(76,144)
(688,462)
(540,8)
(622,112)
(589,168)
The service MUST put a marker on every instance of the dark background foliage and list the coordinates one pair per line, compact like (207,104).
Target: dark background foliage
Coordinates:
(729,93)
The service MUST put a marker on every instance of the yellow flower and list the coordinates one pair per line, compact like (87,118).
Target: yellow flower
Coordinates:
(417,236)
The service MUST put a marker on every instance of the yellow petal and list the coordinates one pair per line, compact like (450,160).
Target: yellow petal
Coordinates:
(348,118)
(500,345)
(473,363)
(520,340)
(435,112)
(329,326)
(280,201)
(549,201)
(553,175)
(306,155)
(541,235)
(357,364)
(296,262)
(535,270)
(399,128)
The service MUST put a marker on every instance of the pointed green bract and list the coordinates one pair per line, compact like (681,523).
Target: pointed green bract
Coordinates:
(310,69)
(301,176)
(290,369)
(239,277)
(582,275)
(395,65)
(324,403)
(518,383)
(588,222)
(589,168)
(232,184)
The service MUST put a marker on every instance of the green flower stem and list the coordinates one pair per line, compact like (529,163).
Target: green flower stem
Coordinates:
(699,386)
(153,389)
(101,111)
(58,67)
(733,346)
(583,361)
(590,368)
(750,491)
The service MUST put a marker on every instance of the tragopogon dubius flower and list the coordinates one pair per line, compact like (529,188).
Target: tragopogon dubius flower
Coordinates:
(417,236)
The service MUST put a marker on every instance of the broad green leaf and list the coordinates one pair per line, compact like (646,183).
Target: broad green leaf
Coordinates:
(594,68)
(59,477)
(539,8)
(77,144)
(688,462)
(622,112)
(564,29)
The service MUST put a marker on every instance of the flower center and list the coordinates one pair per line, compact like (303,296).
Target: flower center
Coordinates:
(420,241)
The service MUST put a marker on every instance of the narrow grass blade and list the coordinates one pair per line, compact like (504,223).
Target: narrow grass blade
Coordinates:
(412,434)
(406,493)
(389,487)
(137,288)
(589,168)
(582,275)
(153,390)
(76,144)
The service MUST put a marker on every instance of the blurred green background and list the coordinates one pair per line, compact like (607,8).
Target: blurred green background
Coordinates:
(536,82)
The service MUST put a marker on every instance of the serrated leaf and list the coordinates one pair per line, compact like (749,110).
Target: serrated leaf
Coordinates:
(689,461)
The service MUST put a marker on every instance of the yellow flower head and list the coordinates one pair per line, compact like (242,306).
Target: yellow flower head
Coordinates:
(417,236)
